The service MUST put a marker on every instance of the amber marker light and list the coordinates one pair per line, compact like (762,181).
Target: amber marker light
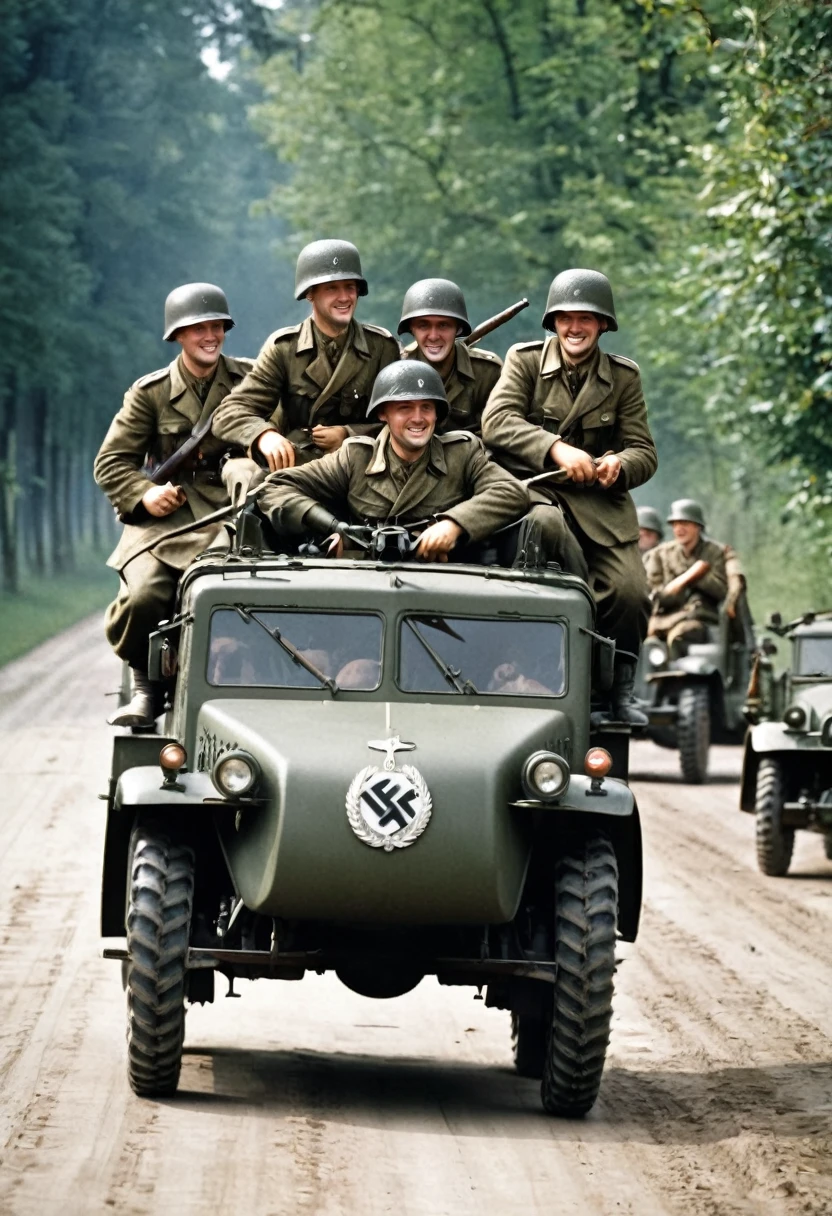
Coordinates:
(598,762)
(172,757)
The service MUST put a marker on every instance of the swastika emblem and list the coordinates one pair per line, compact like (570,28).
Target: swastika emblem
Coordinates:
(388,809)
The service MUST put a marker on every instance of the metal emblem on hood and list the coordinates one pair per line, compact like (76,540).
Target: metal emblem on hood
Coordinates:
(389,808)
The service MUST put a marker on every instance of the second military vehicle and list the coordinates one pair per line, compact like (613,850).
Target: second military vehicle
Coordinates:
(787,767)
(698,699)
(382,769)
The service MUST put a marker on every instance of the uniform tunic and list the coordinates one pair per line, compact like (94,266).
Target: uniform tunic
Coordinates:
(699,602)
(598,407)
(468,385)
(158,414)
(364,481)
(293,370)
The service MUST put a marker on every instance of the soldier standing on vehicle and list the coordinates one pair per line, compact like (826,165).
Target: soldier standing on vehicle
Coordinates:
(688,580)
(568,409)
(159,414)
(406,474)
(319,373)
(650,529)
(434,312)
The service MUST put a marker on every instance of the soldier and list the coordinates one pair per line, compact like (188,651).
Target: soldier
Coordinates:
(159,413)
(434,312)
(319,373)
(650,529)
(687,579)
(566,407)
(405,474)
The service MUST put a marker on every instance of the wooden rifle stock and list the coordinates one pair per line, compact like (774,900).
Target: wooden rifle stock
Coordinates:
(486,327)
(682,581)
(162,475)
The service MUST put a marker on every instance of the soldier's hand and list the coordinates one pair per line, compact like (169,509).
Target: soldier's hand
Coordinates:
(277,450)
(163,500)
(577,463)
(328,438)
(334,545)
(608,469)
(436,542)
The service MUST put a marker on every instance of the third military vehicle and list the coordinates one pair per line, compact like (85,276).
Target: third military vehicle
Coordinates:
(384,769)
(787,768)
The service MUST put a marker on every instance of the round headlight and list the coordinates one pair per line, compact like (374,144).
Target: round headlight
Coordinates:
(655,656)
(545,776)
(172,757)
(795,717)
(235,774)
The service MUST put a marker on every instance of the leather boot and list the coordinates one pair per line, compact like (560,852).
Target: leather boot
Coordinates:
(141,709)
(625,707)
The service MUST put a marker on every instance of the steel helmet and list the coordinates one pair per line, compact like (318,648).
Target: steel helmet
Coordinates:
(328,262)
(192,303)
(686,510)
(409,380)
(434,298)
(580,291)
(648,517)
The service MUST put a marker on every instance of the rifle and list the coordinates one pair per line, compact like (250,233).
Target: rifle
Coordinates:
(682,581)
(163,474)
(486,327)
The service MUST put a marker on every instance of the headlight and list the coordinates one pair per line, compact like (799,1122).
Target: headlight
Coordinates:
(545,776)
(795,717)
(656,656)
(235,774)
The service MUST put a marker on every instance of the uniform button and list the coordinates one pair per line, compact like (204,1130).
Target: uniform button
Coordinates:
(605,417)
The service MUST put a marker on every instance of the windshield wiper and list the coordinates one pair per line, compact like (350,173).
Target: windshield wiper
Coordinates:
(451,674)
(293,652)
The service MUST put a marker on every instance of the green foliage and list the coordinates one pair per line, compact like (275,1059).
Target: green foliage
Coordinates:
(45,605)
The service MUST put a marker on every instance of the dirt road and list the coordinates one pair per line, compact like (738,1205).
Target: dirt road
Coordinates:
(305,1098)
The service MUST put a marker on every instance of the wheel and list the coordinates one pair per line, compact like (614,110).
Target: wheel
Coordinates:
(774,842)
(586,906)
(693,732)
(529,1038)
(827,845)
(158,932)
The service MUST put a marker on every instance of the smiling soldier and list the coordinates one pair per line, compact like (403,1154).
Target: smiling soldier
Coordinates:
(159,413)
(408,473)
(434,312)
(567,407)
(311,383)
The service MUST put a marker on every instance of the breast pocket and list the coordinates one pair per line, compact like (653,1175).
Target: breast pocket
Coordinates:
(171,433)
(599,427)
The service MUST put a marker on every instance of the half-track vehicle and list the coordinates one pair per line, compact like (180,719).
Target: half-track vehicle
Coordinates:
(787,765)
(696,700)
(384,769)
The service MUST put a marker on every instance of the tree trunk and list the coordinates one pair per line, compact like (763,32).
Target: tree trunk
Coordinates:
(9,491)
(37,483)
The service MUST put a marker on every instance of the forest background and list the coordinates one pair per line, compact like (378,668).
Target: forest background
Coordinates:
(684,148)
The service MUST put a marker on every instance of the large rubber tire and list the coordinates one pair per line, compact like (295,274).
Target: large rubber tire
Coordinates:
(586,911)
(827,845)
(530,1037)
(693,732)
(158,932)
(775,843)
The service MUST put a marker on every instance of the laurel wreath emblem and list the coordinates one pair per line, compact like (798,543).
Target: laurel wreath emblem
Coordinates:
(406,836)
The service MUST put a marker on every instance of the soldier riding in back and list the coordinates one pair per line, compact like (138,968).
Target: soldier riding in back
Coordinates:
(434,312)
(311,383)
(159,415)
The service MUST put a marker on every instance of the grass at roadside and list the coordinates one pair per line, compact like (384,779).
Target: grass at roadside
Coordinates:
(45,606)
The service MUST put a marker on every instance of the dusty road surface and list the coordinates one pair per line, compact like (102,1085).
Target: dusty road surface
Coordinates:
(305,1098)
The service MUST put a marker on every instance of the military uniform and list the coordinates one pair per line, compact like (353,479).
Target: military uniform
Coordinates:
(530,408)
(468,385)
(302,379)
(365,481)
(683,618)
(158,414)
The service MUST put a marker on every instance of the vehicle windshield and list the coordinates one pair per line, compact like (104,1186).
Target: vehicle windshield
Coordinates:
(814,656)
(458,656)
(253,647)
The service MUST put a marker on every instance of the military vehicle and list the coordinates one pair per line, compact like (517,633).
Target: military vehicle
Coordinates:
(787,765)
(698,699)
(381,768)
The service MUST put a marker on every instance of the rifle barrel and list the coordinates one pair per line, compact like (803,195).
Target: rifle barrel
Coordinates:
(486,327)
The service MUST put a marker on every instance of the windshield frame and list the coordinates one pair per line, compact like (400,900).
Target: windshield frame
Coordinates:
(800,642)
(315,690)
(466,695)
